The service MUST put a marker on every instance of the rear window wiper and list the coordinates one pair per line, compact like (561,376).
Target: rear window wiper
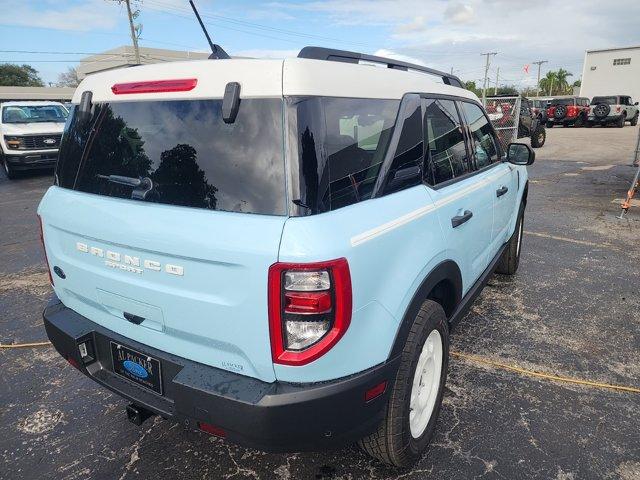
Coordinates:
(141,186)
(122,180)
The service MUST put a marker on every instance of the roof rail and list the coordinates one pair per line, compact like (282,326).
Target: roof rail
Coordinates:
(329,54)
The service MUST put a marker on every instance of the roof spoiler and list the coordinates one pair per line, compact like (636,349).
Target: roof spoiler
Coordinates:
(329,54)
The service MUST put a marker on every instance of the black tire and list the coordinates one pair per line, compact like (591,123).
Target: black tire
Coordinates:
(565,124)
(549,124)
(588,124)
(510,260)
(634,120)
(620,121)
(539,137)
(579,122)
(8,170)
(393,442)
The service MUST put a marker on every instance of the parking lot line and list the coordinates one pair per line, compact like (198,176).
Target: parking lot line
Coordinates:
(604,245)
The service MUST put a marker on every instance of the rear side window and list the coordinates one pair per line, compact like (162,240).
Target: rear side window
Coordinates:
(446,150)
(484,142)
(605,100)
(337,146)
(185,151)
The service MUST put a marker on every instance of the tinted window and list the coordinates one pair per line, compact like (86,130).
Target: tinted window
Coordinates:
(605,100)
(484,142)
(340,144)
(447,154)
(406,166)
(191,157)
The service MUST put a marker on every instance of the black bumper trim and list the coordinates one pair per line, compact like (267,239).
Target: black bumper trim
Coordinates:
(275,416)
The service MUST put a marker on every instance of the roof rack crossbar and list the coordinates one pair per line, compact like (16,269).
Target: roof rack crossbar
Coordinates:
(332,55)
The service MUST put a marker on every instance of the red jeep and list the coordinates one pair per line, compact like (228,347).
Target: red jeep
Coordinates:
(567,111)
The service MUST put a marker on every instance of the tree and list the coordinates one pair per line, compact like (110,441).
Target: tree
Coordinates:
(471,86)
(556,83)
(563,83)
(68,78)
(12,75)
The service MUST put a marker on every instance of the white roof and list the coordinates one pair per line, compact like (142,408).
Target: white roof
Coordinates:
(29,103)
(268,78)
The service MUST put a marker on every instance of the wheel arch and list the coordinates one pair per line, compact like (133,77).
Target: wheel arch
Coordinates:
(443,284)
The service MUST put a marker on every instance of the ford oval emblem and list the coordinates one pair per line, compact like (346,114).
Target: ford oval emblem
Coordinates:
(135,369)
(49,141)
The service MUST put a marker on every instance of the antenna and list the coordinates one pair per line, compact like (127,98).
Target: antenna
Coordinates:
(217,52)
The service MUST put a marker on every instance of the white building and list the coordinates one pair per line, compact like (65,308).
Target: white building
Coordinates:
(613,71)
(124,56)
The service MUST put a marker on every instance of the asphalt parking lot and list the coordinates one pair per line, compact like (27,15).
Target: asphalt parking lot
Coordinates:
(573,310)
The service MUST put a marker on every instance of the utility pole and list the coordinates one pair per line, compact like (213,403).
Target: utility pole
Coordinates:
(539,63)
(486,74)
(134,38)
(495,90)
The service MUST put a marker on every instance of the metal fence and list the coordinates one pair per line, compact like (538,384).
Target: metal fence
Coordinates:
(504,113)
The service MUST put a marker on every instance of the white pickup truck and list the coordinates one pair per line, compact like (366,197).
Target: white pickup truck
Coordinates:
(30,134)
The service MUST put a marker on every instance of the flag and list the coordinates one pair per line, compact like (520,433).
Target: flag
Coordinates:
(526,68)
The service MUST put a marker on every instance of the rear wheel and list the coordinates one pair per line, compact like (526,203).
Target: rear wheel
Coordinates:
(579,121)
(539,137)
(620,121)
(588,124)
(416,395)
(510,260)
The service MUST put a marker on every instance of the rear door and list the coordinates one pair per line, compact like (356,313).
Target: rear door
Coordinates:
(462,197)
(186,253)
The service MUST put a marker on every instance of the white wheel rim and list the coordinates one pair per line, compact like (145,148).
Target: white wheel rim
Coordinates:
(426,382)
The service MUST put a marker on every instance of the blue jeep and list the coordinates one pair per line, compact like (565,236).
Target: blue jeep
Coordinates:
(274,251)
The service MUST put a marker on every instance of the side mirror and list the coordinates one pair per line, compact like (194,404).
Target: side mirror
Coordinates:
(520,154)
(404,176)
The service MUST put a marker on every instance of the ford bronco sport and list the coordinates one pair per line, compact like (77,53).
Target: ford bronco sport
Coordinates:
(567,111)
(274,251)
(615,109)
(30,135)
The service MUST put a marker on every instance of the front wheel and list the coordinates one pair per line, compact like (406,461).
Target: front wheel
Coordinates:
(579,122)
(8,169)
(510,259)
(539,137)
(416,394)
(620,122)
(634,120)
(549,124)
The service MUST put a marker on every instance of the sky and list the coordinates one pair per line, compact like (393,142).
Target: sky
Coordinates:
(52,35)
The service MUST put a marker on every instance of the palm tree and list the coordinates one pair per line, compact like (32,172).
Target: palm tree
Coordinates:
(563,84)
(549,83)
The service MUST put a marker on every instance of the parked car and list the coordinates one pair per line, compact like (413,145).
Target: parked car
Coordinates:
(531,125)
(539,108)
(30,135)
(567,111)
(273,251)
(501,110)
(614,109)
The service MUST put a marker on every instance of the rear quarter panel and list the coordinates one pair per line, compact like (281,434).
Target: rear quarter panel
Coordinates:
(391,244)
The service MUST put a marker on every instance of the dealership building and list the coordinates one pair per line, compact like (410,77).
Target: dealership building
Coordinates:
(611,71)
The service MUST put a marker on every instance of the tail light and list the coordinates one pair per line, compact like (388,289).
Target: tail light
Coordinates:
(309,309)
(572,110)
(618,108)
(155,86)
(44,249)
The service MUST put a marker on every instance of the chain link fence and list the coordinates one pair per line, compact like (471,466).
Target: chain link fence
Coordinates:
(504,113)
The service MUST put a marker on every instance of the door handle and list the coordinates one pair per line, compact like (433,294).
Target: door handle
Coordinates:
(460,219)
(501,191)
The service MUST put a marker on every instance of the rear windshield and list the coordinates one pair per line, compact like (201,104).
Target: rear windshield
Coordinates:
(34,114)
(182,152)
(605,100)
(563,101)
(340,144)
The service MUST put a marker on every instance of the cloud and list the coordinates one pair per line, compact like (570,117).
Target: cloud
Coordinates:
(84,16)
(459,13)
(398,56)
(418,24)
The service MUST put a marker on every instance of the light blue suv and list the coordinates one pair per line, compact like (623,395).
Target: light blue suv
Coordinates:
(274,251)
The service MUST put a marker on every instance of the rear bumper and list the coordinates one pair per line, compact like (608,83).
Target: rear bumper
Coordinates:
(607,119)
(27,160)
(270,416)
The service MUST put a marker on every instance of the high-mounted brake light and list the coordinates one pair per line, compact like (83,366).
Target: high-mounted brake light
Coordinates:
(309,309)
(155,86)
(44,249)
